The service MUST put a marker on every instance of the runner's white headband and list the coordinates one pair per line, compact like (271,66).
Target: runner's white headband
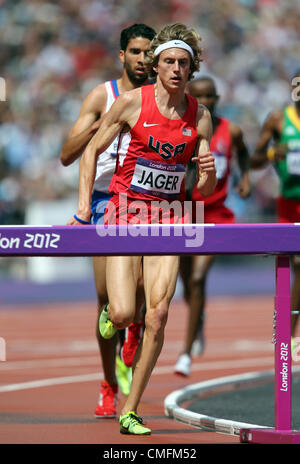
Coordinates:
(173,44)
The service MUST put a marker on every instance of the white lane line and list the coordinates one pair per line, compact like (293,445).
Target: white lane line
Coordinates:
(159,370)
(50,382)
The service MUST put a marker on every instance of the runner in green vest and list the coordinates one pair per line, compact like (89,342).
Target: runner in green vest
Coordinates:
(279,143)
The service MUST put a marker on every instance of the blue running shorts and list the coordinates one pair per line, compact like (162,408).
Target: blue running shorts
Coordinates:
(98,205)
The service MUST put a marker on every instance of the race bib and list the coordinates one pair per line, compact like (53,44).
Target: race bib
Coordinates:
(293,163)
(221,164)
(157,179)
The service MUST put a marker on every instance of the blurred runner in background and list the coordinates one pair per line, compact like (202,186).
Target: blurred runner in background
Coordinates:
(227,139)
(279,144)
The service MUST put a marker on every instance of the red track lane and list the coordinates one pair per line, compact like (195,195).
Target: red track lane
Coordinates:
(57,343)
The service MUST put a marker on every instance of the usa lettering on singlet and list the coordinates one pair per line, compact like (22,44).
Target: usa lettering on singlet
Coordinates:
(106,162)
(158,151)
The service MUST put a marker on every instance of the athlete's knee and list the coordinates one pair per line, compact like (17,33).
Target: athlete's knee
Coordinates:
(197,279)
(200,271)
(156,317)
(120,315)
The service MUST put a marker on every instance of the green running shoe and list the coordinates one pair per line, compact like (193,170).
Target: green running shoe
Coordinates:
(106,327)
(124,376)
(293,344)
(132,424)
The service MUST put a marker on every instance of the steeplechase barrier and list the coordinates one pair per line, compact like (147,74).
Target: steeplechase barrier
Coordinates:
(279,240)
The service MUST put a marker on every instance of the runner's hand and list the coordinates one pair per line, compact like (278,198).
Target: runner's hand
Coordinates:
(206,164)
(244,188)
(280,152)
(74,222)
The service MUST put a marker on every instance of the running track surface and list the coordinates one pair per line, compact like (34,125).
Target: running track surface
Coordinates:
(49,384)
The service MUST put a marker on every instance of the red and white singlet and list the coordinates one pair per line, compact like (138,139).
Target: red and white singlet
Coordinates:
(221,147)
(153,168)
(106,163)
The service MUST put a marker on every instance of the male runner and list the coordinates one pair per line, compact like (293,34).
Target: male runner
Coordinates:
(227,139)
(279,144)
(164,126)
(134,44)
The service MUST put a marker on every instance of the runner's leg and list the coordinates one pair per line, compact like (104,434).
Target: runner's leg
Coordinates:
(160,276)
(197,297)
(107,347)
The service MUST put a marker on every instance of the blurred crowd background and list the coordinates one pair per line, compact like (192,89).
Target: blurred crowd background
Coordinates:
(53,53)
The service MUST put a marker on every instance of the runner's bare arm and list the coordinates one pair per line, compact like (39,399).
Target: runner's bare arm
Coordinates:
(86,125)
(271,130)
(206,171)
(123,113)
(243,188)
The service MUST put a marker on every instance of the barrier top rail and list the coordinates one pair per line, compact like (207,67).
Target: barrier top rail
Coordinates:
(274,239)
